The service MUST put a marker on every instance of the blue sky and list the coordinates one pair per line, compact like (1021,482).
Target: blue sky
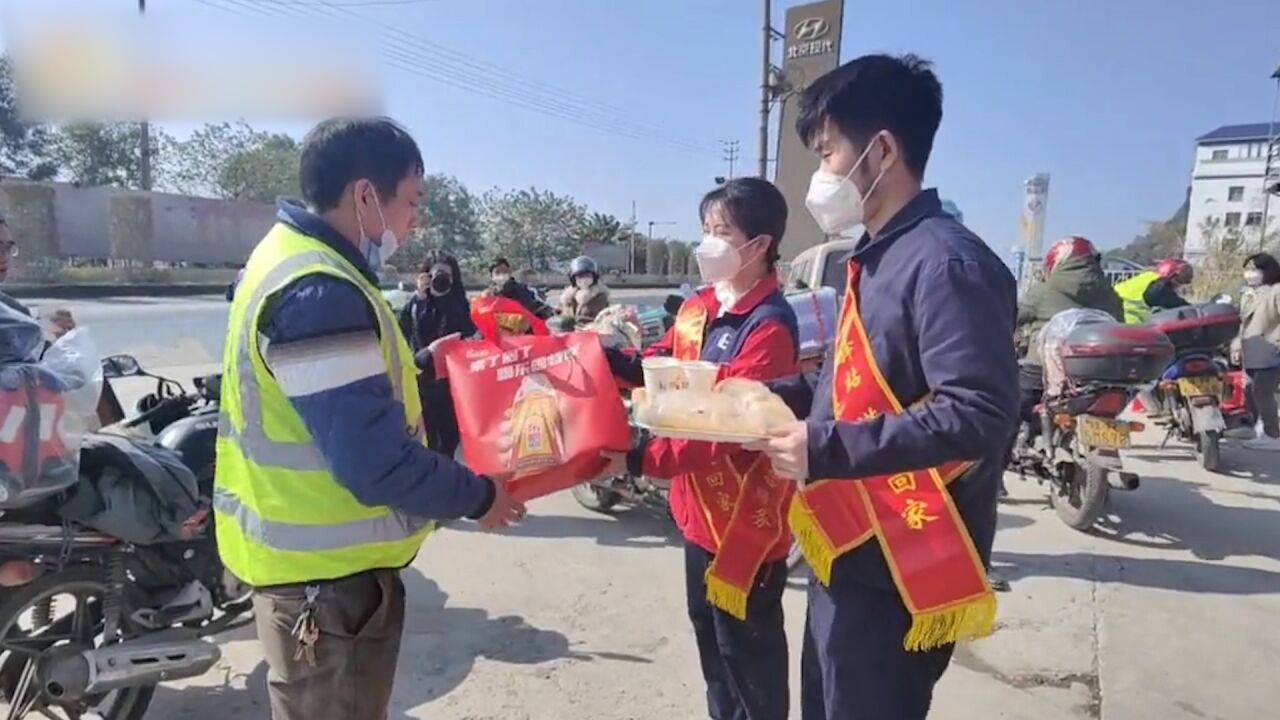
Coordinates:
(1107,96)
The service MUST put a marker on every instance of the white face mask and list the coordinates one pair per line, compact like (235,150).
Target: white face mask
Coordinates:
(584,282)
(387,243)
(718,261)
(835,202)
(1253,278)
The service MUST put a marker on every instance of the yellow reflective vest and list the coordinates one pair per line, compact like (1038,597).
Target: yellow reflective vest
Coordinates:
(1131,292)
(281,516)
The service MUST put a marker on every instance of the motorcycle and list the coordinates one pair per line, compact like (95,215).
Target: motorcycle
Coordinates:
(1093,366)
(1190,393)
(91,624)
(1076,449)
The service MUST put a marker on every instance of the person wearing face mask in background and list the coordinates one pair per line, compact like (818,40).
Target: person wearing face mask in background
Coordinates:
(502,283)
(727,503)
(325,486)
(437,312)
(1258,347)
(900,458)
(585,296)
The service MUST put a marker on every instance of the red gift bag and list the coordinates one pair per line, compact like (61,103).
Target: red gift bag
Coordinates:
(541,407)
(498,317)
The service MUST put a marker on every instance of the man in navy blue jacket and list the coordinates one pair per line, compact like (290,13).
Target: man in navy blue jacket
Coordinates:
(938,309)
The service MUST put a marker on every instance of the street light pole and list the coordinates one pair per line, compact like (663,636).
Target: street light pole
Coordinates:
(144,133)
(766,63)
(1273,149)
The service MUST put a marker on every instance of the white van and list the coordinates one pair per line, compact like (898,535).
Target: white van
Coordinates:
(821,265)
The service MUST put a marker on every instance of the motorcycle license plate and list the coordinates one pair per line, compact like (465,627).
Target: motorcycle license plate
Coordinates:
(1199,386)
(1102,433)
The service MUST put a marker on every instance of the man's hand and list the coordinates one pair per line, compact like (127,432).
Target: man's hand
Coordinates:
(504,511)
(617,465)
(434,345)
(788,450)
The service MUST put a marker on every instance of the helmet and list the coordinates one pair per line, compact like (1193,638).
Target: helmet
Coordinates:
(1176,269)
(1068,247)
(582,265)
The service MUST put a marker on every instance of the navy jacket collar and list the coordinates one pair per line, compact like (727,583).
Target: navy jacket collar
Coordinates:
(314,226)
(924,204)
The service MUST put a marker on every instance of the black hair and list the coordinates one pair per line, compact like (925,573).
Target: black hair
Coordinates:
(339,151)
(874,93)
(3,222)
(1266,262)
(754,206)
(499,262)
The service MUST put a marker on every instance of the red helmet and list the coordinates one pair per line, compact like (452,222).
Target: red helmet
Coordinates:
(1067,247)
(1176,269)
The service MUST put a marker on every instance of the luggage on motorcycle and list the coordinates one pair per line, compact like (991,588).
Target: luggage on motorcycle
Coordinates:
(1207,326)
(1089,347)
(816,312)
(1115,353)
(47,404)
(135,491)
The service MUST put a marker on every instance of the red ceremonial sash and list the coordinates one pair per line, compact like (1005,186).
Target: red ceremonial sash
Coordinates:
(742,505)
(911,514)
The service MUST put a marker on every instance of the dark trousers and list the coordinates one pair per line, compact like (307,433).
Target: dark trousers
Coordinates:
(743,661)
(1261,398)
(360,620)
(439,417)
(853,665)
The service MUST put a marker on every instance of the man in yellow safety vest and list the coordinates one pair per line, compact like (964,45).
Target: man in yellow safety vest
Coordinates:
(1155,289)
(325,486)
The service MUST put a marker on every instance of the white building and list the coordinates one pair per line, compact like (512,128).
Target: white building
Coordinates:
(1227,185)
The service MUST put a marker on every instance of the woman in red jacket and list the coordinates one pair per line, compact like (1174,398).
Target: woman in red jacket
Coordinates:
(727,502)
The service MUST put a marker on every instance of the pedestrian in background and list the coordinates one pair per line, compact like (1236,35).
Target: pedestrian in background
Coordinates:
(437,312)
(1260,346)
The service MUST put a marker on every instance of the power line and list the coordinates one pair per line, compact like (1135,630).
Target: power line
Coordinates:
(445,70)
(370,3)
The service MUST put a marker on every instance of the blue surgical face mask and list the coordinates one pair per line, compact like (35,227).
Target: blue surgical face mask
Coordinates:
(381,251)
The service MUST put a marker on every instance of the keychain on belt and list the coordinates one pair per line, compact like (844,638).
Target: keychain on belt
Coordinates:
(305,630)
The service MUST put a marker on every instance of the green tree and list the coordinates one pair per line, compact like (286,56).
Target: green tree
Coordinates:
(655,262)
(534,227)
(677,257)
(232,161)
(602,228)
(1161,240)
(448,220)
(264,173)
(100,153)
(26,149)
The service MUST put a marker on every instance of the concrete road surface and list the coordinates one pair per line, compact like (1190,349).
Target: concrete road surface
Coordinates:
(1169,611)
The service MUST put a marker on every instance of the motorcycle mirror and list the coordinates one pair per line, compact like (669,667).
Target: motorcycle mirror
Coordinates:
(118,366)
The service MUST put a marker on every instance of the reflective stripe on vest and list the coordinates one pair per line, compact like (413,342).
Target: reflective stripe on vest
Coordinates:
(304,538)
(253,440)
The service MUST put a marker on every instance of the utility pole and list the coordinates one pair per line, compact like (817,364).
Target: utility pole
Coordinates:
(631,241)
(144,134)
(766,64)
(731,150)
(1273,162)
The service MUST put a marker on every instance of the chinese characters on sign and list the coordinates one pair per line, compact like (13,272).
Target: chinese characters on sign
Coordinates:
(810,49)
